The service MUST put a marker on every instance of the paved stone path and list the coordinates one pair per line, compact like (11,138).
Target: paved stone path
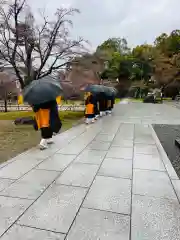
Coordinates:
(108,181)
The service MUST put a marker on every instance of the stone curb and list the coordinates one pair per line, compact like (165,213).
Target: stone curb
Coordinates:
(167,163)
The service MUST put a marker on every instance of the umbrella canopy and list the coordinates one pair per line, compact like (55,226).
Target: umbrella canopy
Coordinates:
(42,90)
(95,89)
(109,91)
(114,90)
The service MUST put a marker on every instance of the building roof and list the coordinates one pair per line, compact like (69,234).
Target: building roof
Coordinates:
(8,84)
(76,79)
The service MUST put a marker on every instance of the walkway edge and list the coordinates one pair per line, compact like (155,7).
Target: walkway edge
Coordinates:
(167,163)
(13,159)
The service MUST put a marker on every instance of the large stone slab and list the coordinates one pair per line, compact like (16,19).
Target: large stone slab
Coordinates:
(146,149)
(41,177)
(35,154)
(112,129)
(24,190)
(125,132)
(77,145)
(78,174)
(152,183)
(97,145)
(145,139)
(93,225)
(91,157)
(104,137)
(17,232)
(124,135)
(6,163)
(10,210)
(116,168)
(55,209)
(19,167)
(142,130)
(150,162)
(122,143)
(31,185)
(4,183)
(120,152)
(155,218)
(70,134)
(58,162)
(111,194)
(72,149)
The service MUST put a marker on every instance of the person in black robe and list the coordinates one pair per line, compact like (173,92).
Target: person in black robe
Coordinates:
(90,109)
(47,121)
(109,105)
(55,122)
(112,102)
(102,104)
(96,105)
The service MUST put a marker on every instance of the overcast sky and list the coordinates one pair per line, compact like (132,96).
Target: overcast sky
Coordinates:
(139,21)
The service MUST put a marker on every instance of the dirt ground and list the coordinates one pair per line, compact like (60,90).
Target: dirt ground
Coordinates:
(17,139)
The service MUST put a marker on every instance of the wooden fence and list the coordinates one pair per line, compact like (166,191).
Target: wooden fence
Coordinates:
(64,107)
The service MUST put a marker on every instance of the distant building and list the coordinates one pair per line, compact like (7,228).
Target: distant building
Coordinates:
(79,74)
(8,79)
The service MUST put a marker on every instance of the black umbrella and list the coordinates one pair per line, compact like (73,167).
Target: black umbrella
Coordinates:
(114,91)
(95,89)
(108,91)
(42,90)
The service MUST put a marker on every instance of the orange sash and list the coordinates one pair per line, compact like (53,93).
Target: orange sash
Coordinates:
(98,107)
(109,104)
(90,108)
(58,100)
(42,118)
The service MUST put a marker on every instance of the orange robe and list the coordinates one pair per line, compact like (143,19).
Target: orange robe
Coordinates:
(109,104)
(89,109)
(43,118)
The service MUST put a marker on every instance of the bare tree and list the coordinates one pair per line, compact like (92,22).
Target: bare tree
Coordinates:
(8,88)
(40,48)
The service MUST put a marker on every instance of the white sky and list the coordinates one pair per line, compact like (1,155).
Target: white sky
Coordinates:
(139,21)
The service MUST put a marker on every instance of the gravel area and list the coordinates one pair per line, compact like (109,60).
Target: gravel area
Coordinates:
(167,135)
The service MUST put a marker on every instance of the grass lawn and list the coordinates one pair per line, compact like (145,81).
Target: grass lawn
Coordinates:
(17,139)
(117,100)
(136,99)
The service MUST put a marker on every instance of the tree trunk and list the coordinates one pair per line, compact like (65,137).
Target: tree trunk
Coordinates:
(5,105)
(27,80)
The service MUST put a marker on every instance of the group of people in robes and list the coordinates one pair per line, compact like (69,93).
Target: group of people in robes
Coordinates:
(98,105)
(47,118)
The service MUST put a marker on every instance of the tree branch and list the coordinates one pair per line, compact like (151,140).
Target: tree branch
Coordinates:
(54,35)
(23,41)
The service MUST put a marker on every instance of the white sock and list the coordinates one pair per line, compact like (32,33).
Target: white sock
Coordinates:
(49,141)
(43,144)
(87,121)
